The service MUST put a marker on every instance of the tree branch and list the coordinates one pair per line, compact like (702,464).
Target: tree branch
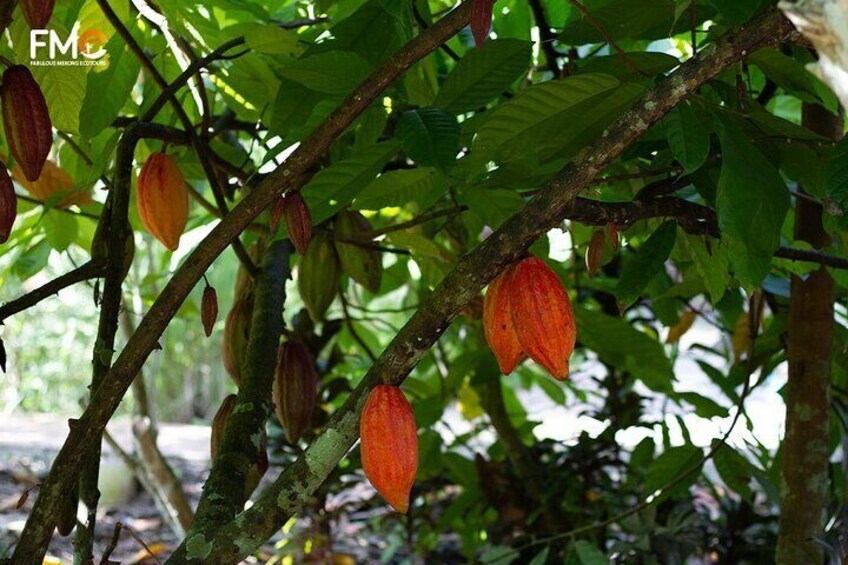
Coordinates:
(90,270)
(472,273)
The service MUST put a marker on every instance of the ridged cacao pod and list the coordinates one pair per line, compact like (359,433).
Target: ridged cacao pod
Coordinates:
(481,20)
(8,205)
(595,253)
(497,323)
(209,309)
(66,511)
(295,390)
(318,276)
(37,13)
(219,422)
(26,118)
(364,265)
(298,220)
(236,336)
(53,181)
(612,233)
(542,316)
(163,199)
(389,445)
(276,214)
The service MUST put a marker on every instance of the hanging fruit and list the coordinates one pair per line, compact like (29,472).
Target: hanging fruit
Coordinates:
(497,323)
(295,390)
(8,204)
(319,275)
(37,13)
(219,422)
(363,264)
(481,20)
(236,336)
(209,309)
(595,253)
(298,220)
(389,445)
(29,131)
(163,199)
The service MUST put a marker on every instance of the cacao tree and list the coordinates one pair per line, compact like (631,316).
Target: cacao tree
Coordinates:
(575,273)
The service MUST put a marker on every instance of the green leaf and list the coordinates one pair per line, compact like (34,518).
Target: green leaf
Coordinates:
(688,138)
(620,19)
(64,90)
(711,264)
(836,179)
(398,188)
(620,344)
(108,90)
(60,229)
(483,74)
(336,186)
(669,466)
(429,136)
(650,63)
(417,244)
(336,73)
(734,470)
(584,553)
(704,407)
(492,207)
(752,202)
(647,263)
(539,113)
(793,77)
(270,39)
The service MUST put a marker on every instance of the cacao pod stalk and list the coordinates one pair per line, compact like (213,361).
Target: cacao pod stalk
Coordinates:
(53,181)
(163,199)
(318,276)
(26,118)
(542,316)
(389,445)
(298,220)
(37,13)
(364,265)
(8,204)
(497,323)
(295,390)
(209,309)
(595,253)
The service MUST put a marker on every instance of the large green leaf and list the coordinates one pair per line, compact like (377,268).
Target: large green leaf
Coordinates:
(482,74)
(64,90)
(335,72)
(752,202)
(688,138)
(108,90)
(734,469)
(538,114)
(336,186)
(648,262)
(620,19)
(669,466)
(711,264)
(618,343)
(398,188)
(792,76)
(429,136)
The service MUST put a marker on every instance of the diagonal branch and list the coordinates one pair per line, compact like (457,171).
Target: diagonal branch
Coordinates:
(293,487)
(90,270)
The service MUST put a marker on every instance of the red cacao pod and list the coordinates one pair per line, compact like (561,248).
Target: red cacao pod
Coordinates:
(8,204)
(542,316)
(163,199)
(26,118)
(612,232)
(389,445)
(219,422)
(53,181)
(209,309)
(37,13)
(298,221)
(481,20)
(295,390)
(236,336)
(276,214)
(497,323)
(595,253)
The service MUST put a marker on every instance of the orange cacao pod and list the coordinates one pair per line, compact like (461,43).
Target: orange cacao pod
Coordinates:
(236,335)
(209,309)
(481,20)
(163,199)
(298,220)
(219,422)
(497,323)
(53,181)
(26,118)
(542,316)
(8,204)
(595,253)
(37,13)
(295,390)
(389,445)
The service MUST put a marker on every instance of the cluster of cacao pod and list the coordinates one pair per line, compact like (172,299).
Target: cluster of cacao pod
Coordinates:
(295,389)
(527,313)
(219,423)
(325,260)
(298,218)
(162,199)
(389,445)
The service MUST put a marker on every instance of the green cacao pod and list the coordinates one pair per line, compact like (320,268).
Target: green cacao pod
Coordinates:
(364,265)
(26,119)
(8,204)
(295,390)
(319,276)
(236,336)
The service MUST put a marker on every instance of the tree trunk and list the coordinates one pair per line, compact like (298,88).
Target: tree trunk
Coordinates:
(810,335)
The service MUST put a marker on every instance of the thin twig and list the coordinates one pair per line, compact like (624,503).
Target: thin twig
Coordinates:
(85,272)
(352,330)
